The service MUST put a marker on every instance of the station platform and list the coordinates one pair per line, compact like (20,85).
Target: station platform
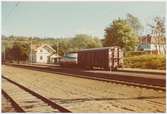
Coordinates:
(156,79)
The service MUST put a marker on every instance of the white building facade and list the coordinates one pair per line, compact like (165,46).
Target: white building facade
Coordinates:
(44,54)
(152,44)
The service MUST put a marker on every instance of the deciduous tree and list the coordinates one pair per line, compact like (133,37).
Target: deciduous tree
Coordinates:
(19,52)
(134,23)
(158,33)
(119,33)
(83,41)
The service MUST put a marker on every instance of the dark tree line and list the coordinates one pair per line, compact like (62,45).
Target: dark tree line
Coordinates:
(18,48)
(18,52)
(80,41)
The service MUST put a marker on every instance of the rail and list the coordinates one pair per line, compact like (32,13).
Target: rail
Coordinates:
(37,95)
(51,70)
(16,106)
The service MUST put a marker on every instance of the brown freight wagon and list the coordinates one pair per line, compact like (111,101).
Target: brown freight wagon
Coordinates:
(108,58)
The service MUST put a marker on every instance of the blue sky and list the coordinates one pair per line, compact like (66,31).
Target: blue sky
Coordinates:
(66,19)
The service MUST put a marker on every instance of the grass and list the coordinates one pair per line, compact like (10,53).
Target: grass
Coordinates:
(147,61)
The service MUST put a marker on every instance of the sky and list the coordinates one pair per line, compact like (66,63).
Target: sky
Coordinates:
(66,19)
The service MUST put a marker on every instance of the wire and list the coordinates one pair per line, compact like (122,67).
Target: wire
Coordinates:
(12,10)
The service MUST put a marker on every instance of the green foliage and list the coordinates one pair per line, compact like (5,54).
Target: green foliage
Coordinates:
(119,33)
(136,53)
(134,23)
(82,41)
(158,26)
(146,61)
(158,30)
(19,52)
(63,45)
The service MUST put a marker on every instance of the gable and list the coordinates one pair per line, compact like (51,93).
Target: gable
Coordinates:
(49,49)
(45,49)
(42,50)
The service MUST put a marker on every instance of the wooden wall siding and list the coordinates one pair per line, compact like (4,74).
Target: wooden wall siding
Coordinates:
(107,58)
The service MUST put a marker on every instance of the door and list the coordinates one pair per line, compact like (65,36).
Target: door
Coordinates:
(48,59)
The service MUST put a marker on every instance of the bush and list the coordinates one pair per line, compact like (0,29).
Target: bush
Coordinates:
(146,61)
(135,53)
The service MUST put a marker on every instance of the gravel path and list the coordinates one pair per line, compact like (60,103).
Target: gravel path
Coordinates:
(84,95)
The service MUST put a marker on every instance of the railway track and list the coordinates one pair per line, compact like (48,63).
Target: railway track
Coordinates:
(52,70)
(25,100)
(117,81)
(11,105)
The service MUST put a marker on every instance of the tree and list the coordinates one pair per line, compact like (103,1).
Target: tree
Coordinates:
(80,41)
(134,23)
(19,52)
(159,26)
(7,55)
(158,32)
(83,41)
(62,45)
(119,33)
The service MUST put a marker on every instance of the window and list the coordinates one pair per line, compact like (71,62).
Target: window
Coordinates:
(41,50)
(41,57)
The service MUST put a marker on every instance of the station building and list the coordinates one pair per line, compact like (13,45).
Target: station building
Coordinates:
(44,54)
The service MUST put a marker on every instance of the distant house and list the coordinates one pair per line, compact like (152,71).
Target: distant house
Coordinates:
(152,44)
(44,54)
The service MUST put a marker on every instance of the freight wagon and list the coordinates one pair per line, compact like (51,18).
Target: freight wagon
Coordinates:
(108,58)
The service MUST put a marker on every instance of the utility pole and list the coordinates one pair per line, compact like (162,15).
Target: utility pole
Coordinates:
(4,54)
(57,46)
(57,50)
(31,51)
